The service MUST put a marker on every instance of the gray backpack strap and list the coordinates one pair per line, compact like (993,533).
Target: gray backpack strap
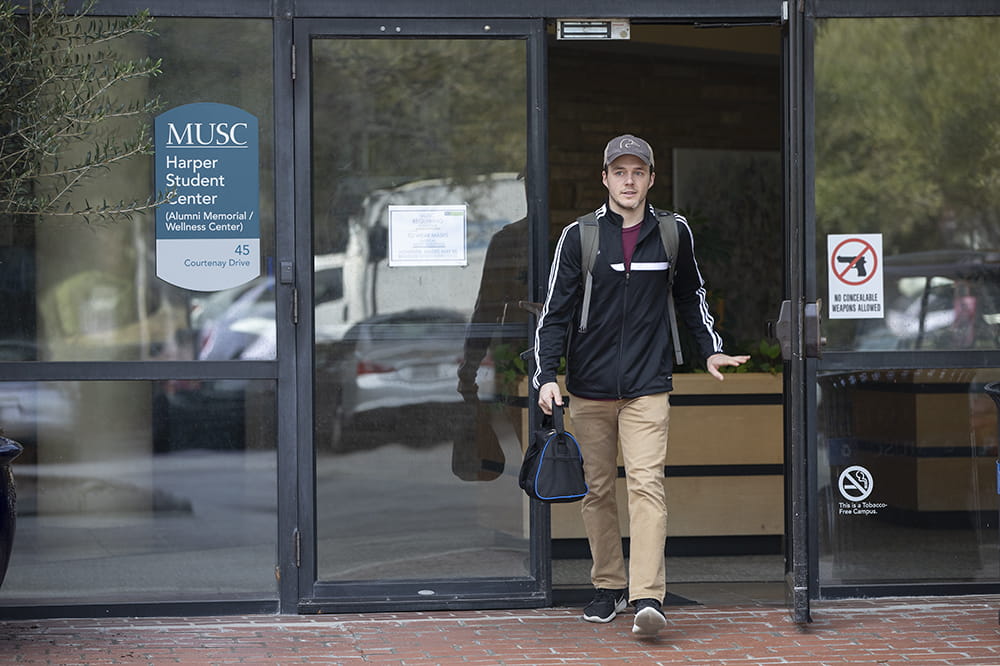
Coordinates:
(671,242)
(588,255)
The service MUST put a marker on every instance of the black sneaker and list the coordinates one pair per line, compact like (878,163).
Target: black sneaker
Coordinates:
(648,617)
(606,604)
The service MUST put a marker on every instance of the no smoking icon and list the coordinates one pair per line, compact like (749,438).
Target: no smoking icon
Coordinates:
(855,483)
(854,261)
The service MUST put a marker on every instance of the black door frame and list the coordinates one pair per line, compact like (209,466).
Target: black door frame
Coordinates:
(315,597)
(312,595)
(799,565)
(814,10)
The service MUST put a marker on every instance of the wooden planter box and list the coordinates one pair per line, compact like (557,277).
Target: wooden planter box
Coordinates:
(724,460)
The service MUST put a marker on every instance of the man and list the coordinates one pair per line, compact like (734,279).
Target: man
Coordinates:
(619,373)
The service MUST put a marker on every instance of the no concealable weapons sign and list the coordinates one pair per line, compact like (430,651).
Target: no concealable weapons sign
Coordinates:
(855,276)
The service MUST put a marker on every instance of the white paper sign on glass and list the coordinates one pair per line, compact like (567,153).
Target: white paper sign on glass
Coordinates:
(428,235)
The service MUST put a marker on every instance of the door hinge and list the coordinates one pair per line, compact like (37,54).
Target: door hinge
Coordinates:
(784,11)
(293,62)
(295,305)
(297,547)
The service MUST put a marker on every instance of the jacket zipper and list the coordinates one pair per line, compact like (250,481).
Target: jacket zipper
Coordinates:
(621,335)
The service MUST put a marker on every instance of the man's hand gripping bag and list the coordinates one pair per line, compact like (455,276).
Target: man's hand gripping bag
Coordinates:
(552,470)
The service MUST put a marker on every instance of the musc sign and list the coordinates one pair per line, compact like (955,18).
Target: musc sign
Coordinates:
(208,235)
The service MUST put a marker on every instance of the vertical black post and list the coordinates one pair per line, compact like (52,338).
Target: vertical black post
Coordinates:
(797,374)
(288,449)
(537,191)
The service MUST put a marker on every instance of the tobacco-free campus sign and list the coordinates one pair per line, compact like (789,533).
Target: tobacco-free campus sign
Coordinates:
(208,235)
(856,484)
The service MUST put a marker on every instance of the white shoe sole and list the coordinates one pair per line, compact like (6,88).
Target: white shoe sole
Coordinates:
(619,607)
(648,622)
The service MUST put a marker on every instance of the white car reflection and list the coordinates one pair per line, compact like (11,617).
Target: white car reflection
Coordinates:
(397,365)
(28,408)
(238,324)
(942,300)
(238,331)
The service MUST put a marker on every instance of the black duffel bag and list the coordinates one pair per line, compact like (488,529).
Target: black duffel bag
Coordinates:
(552,470)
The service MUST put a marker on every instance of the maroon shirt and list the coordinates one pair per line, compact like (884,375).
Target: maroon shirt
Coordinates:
(630,235)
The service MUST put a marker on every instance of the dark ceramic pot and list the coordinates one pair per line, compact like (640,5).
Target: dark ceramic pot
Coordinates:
(9,449)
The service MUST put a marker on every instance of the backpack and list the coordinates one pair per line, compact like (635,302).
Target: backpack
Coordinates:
(588,245)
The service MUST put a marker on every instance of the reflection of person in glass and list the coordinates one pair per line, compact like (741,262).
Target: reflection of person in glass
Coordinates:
(500,325)
(619,374)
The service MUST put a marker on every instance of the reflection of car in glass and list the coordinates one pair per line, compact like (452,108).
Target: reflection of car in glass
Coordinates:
(244,329)
(238,324)
(207,307)
(333,313)
(397,371)
(27,407)
(937,300)
(199,414)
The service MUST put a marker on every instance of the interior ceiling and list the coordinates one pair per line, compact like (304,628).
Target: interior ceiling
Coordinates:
(748,39)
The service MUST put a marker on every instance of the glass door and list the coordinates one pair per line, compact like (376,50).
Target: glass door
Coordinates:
(905,259)
(413,136)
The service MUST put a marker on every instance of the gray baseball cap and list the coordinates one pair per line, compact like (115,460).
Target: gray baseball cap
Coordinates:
(628,144)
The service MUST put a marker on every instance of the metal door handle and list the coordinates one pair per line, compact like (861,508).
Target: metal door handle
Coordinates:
(813,339)
(813,324)
(782,329)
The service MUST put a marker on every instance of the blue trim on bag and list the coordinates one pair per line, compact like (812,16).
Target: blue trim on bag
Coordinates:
(541,459)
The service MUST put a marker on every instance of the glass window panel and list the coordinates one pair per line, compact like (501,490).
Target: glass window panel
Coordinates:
(907,476)
(907,146)
(142,491)
(89,292)
(397,124)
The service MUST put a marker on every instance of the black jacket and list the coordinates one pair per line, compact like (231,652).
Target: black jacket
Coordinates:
(626,351)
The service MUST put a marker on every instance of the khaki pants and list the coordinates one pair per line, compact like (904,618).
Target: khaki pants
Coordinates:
(640,426)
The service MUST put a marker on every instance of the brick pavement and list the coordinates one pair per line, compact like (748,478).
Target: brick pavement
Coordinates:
(935,630)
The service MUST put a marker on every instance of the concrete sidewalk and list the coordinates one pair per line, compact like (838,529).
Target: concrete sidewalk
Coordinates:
(924,630)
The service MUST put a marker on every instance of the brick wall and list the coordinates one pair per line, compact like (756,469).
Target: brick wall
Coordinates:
(674,98)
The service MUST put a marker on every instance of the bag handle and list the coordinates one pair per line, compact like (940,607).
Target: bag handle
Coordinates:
(557,418)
